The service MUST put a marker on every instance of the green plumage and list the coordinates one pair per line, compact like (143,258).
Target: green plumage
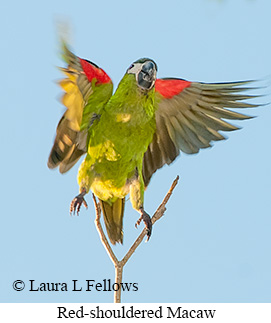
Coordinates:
(119,139)
(117,143)
(127,136)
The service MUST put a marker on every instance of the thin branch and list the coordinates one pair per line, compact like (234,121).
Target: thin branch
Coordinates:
(101,232)
(162,207)
(118,280)
(119,265)
(157,215)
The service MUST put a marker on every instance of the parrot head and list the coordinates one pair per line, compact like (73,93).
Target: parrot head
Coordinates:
(145,70)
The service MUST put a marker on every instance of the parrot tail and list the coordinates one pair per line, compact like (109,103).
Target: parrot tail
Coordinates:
(113,216)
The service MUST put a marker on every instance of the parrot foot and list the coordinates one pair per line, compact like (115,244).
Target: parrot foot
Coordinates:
(77,202)
(147,221)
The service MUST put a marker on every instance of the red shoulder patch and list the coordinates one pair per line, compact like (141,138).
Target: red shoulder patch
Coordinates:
(92,72)
(170,87)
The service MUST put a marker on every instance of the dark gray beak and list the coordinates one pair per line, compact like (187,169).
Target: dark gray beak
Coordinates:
(147,75)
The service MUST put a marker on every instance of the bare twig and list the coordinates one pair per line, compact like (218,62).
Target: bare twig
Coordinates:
(101,232)
(119,264)
(118,280)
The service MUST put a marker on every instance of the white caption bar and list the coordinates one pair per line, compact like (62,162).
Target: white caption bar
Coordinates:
(211,312)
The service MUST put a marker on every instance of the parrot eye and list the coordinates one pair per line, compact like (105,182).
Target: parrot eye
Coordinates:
(132,69)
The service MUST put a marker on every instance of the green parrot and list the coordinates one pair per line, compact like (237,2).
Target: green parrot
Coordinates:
(130,134)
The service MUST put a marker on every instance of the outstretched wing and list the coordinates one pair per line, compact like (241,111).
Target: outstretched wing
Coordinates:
(189,117)
(87,89)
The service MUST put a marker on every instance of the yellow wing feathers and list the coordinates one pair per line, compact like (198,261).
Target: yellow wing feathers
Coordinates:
(73,100)
(65,151)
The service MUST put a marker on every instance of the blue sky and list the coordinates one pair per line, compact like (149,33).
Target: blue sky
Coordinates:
(213,244)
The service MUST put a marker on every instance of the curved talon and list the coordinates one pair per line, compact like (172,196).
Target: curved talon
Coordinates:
(147,221)
(76,204)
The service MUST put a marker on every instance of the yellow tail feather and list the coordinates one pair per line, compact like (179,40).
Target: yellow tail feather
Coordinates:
(113,217)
